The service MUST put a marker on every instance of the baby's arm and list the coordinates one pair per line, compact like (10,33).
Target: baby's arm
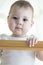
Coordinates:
(31,42)
(39,55)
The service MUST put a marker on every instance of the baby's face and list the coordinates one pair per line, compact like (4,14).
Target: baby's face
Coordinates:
(20,21)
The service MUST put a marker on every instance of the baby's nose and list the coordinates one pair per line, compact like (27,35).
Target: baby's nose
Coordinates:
(20,22)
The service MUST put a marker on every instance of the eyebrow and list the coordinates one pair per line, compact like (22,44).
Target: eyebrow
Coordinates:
(25,17)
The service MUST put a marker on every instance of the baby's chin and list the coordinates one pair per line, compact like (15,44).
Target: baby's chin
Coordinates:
(18,33)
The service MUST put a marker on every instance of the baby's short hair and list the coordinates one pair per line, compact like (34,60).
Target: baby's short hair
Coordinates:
(22,3)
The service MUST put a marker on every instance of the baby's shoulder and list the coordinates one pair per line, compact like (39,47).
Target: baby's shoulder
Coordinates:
(3,37)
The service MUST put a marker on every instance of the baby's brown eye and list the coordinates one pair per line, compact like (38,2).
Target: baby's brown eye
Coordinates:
(15,18)
(25,20)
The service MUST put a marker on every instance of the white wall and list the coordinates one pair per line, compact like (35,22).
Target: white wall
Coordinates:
(38,26)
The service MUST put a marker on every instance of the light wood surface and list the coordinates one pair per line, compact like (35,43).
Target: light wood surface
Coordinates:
(19,45)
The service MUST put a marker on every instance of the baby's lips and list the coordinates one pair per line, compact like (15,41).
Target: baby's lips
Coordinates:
(18,27)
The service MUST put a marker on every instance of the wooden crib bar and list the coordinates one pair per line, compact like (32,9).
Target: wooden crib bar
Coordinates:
(19,45)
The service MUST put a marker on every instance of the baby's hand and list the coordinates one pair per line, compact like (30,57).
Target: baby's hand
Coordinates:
(31,41)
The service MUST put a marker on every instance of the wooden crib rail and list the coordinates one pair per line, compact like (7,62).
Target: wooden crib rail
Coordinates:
(19,45)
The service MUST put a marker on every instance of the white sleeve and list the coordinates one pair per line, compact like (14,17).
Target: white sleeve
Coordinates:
(1,36)
(1,50)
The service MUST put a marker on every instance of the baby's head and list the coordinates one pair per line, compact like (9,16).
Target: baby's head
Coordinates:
(20,18)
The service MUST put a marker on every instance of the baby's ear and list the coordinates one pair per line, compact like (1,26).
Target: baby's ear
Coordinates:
(32,22)
(7,18)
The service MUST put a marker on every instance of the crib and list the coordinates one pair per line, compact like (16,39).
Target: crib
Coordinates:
(19,45)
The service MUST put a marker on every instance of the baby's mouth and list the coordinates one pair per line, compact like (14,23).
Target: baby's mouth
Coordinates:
(18,28)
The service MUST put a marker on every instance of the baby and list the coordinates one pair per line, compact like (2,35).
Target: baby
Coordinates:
(20,20)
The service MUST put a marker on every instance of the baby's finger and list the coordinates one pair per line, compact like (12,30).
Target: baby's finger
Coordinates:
(31,42)
(28,41)
(34,41)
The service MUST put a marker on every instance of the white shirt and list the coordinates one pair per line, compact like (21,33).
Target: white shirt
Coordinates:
(16,57)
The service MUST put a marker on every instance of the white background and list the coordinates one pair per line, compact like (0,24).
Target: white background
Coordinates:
(37,29)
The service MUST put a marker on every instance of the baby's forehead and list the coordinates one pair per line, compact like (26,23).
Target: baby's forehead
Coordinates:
(18,8)
(20,4)
(21,12)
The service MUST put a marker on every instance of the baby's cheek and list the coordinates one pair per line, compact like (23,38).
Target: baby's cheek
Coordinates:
(11,26)
(24,30)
